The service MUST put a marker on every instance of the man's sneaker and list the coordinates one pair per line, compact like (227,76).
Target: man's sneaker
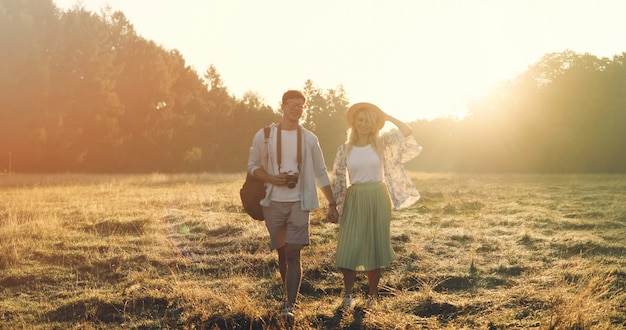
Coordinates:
(287,312)
(347,301)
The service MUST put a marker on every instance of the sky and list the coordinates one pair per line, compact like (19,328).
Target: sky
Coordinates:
(415,59)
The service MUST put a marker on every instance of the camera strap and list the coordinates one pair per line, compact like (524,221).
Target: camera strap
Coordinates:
(279,146)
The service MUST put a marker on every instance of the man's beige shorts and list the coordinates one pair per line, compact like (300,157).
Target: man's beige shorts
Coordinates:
(287,224)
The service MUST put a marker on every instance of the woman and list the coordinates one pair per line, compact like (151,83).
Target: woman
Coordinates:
(368,178)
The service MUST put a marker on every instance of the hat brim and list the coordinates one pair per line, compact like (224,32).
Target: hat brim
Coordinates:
(380,115)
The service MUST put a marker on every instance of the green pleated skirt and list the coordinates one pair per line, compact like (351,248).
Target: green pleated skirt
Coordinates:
(364,241)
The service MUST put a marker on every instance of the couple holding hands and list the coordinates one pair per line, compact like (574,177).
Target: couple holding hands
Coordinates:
(368,181)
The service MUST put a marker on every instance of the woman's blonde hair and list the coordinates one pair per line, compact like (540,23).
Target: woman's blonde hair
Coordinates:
(373,138)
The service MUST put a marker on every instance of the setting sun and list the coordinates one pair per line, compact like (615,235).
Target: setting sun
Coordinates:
(416,59)
(420,164)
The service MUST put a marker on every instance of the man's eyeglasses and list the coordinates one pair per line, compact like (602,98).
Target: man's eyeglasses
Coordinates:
(294,105)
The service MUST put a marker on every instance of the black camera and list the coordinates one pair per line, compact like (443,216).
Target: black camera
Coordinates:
(292,179)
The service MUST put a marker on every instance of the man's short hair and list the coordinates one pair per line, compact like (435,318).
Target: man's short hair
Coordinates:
(293,94)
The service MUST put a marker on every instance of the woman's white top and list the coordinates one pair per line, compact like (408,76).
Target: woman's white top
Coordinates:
(396,150)
(364,165)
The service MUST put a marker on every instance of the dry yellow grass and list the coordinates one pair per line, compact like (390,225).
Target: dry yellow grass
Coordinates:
(175,251)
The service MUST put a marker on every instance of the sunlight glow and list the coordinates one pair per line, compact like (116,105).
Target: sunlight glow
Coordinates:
(415,59)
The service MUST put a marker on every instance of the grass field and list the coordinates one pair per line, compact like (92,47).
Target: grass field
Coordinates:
(176,252)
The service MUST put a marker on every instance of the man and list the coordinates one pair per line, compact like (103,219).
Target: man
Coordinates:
(290,173)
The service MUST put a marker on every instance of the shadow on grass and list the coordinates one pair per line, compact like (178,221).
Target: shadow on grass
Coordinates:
(96,310)
(353,319)
(113,227)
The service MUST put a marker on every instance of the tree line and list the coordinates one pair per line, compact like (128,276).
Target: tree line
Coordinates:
(82,92)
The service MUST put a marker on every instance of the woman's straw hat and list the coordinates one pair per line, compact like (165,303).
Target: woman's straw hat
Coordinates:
(380,115)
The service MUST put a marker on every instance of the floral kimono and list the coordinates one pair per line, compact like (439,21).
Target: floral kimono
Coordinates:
(397,150)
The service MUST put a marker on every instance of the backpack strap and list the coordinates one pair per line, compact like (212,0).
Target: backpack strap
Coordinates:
(266,130)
